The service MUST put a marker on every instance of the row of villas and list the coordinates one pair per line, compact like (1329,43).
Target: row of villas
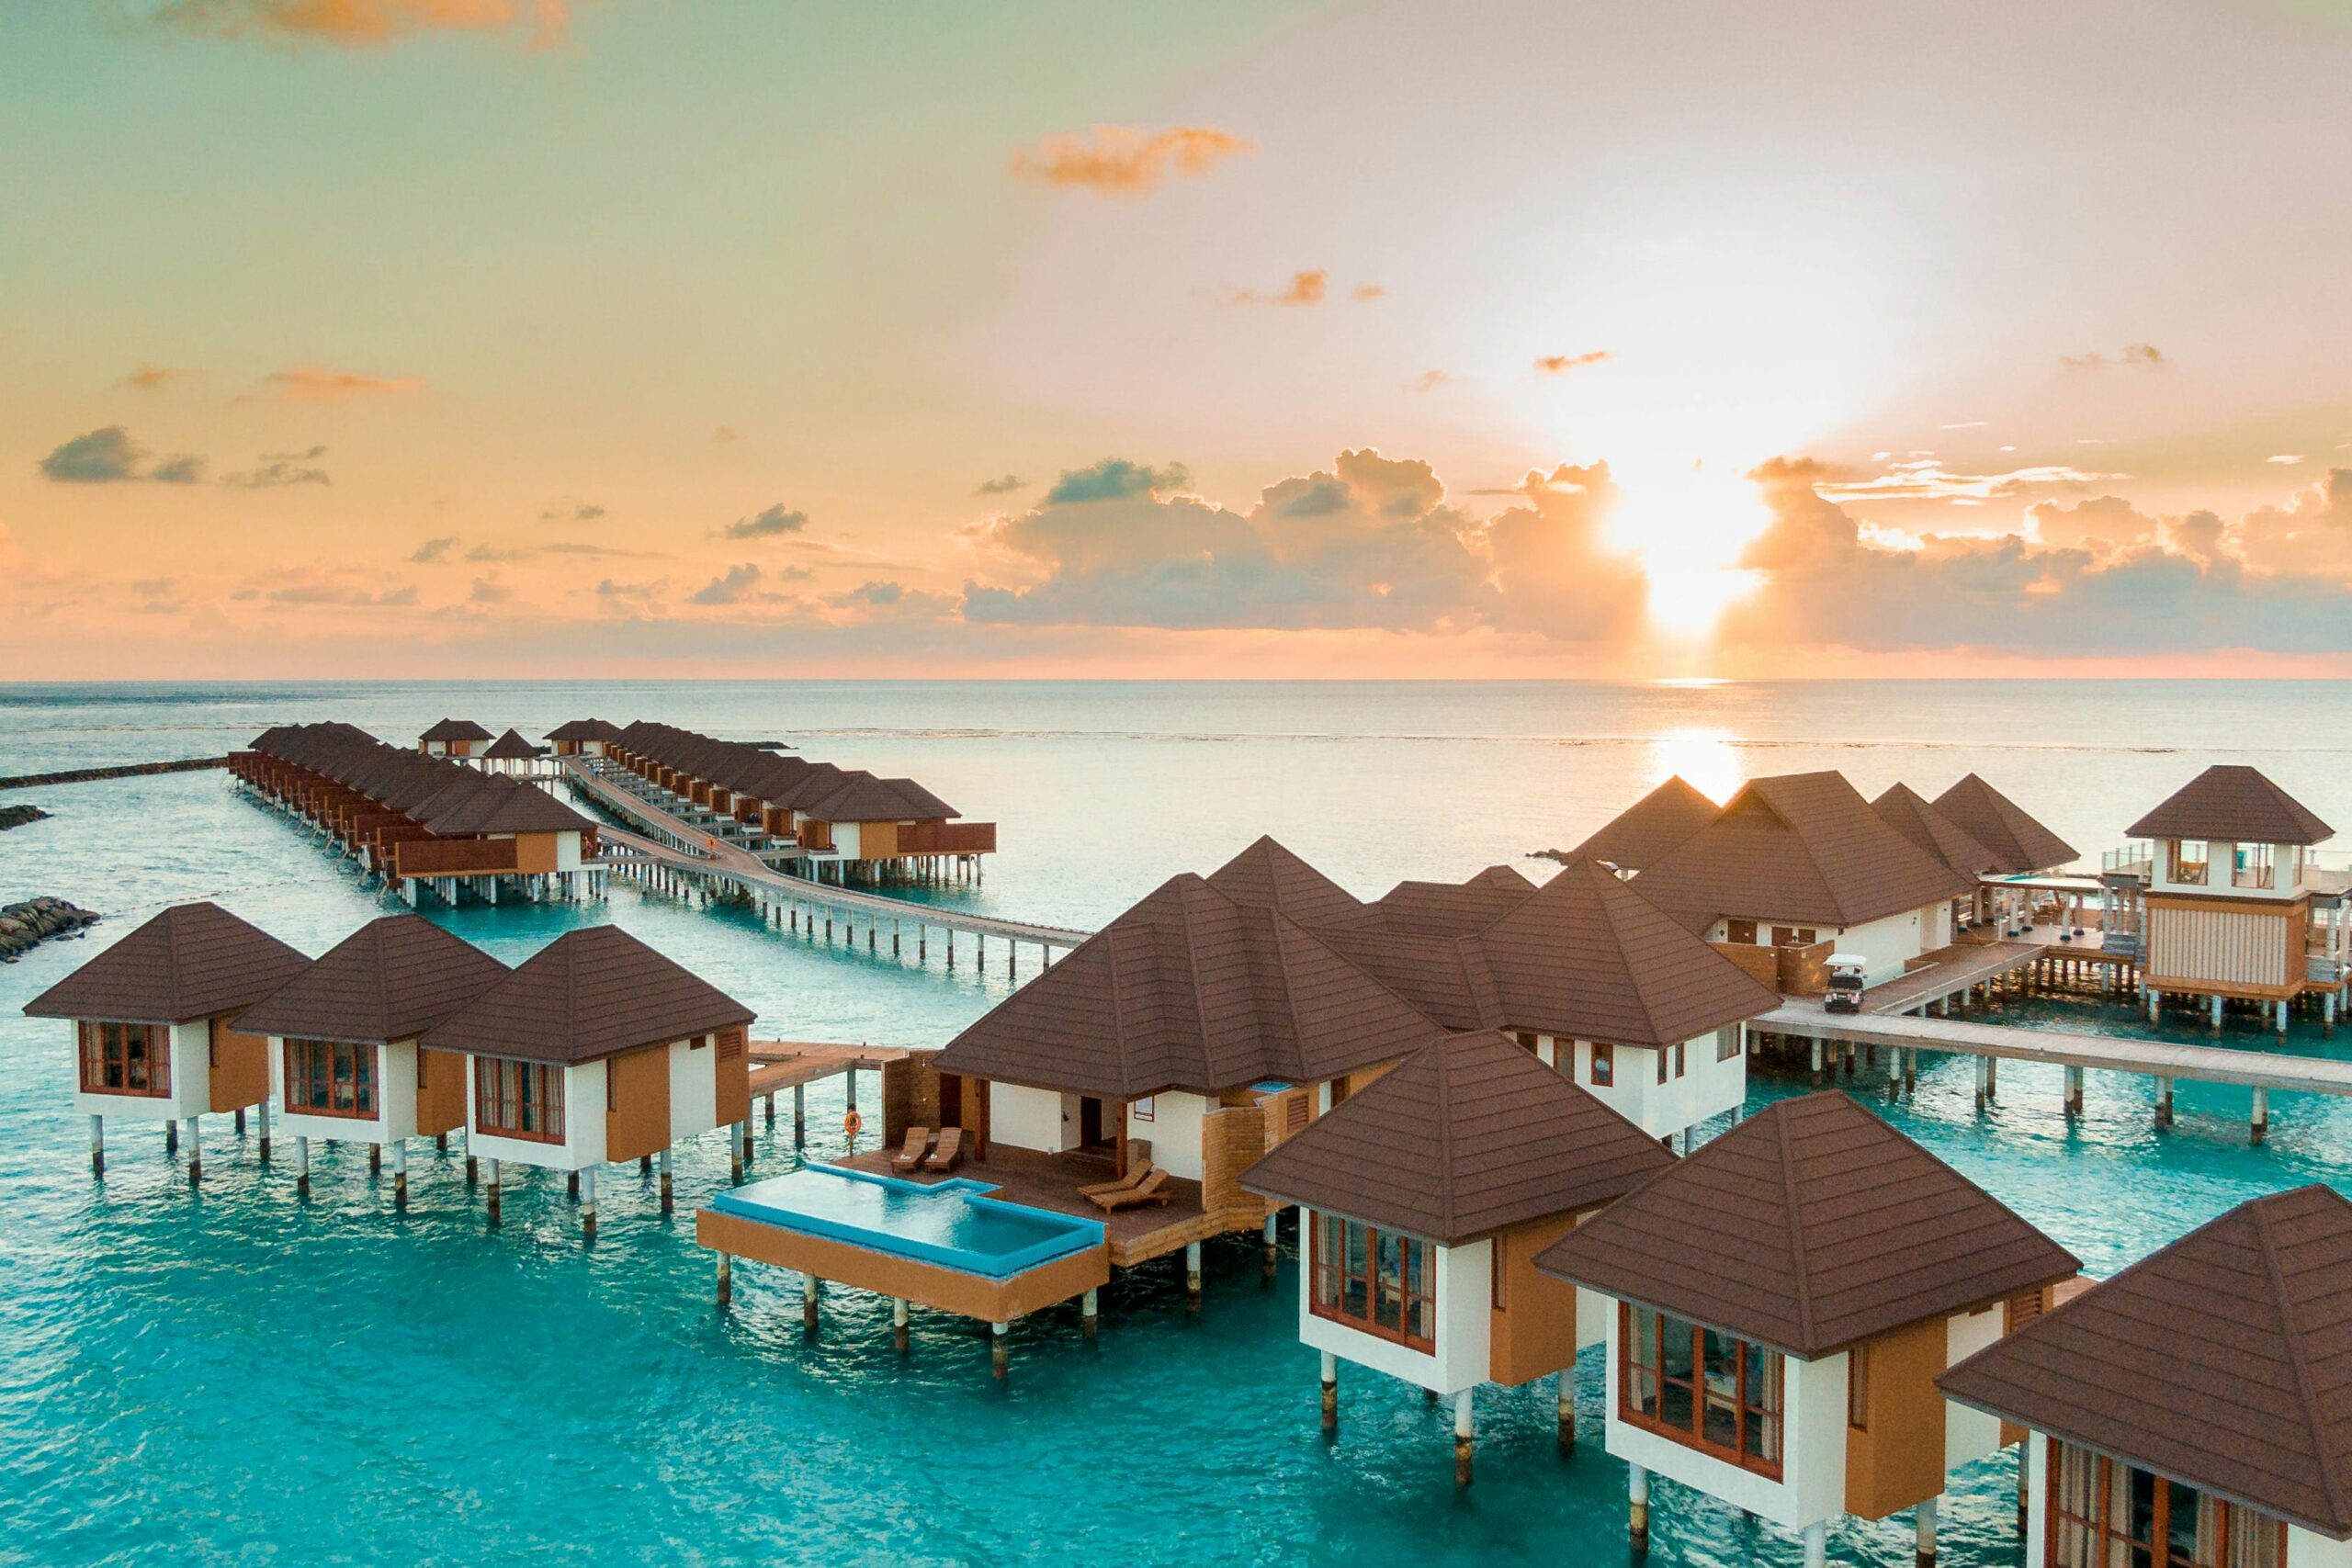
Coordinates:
(845,823)
(595,1051)
(421,821)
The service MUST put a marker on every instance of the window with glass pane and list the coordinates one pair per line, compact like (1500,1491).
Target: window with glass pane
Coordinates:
(519,1099)
(2252,866)
(126,1058)
(2189,860)
(1374,1281)
(1604,1066)
(2103,1514)
(327,1077)
(1726,1042)
(1700,1386)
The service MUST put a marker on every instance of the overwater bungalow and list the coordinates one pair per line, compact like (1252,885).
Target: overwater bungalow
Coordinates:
(344,1057)
(510,754)
(582,738)
(2024,854)
(1423,1203)
(866,820)
(2189,1412)
(453,738)
(597,1049)
(2224,901)
(1587,975)
(1915,816)
(1800,866)
(154,1025)
(1783,1301)
(1640,835)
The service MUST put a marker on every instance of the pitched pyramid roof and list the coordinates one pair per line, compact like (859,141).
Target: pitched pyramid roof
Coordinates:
(2018,843)
(1588,957)
(2222,1361)
(1910,815)
(511,747)
(1644,831)
(1802,847)
(192,961)
(1190,990)
(1462,1139)
(1809,1227)
(455,729)
(1268,876)
(391,979)
(584,730)
(2233,805)
(593,992)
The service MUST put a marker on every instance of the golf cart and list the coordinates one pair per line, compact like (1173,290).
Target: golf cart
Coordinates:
(1848,973)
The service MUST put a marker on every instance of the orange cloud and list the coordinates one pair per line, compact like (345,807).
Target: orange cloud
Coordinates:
(147,377)
(1561,363)
(367,24)
(1121,160)
(308,384)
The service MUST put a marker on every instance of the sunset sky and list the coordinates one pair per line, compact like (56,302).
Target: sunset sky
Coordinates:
(1233,337)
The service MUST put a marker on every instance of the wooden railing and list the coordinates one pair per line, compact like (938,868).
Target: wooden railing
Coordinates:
(453,857)
(947,839)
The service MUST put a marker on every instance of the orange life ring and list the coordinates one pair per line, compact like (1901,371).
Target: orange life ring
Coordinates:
(853,1123)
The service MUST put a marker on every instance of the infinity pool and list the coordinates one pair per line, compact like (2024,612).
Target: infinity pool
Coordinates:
(946,1222)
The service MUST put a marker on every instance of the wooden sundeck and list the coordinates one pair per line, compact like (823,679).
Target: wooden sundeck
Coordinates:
(1051,1181)
(788,1064)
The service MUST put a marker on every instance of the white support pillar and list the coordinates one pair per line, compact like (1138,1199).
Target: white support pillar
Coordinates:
(2163,1100)
(2261,1129)
(1330,1391)
(1566,1393)
(1462,1437)
(399,1173)
(1000,1351)
(2073,1092)
(264,1121)
(898,1335)
(1191,1276)
(1817,1544)
(195,1150)
(1637,1509)
(1925,1517)
(2213,1006)
(493,1191)
(588,1202)
(667,1202)
(97,1144)
(2278,1012)
(809,1302)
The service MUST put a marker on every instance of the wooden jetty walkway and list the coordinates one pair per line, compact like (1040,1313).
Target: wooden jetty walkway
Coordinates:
(779,1064)
(667,852)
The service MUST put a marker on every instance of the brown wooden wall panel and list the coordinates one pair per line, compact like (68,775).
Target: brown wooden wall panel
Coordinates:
(909,1097)
(970,1295)
(535,851)
(636,1103)
(1804,971)
(1232,1140)
(1897,1458)
(440,1091)
(240,1068)
(730,1060)
(1761,964)
(1534,1331)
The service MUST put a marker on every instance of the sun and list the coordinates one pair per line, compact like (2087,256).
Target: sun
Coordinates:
(1689,523)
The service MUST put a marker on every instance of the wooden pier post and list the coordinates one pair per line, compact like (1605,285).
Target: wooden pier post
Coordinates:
(1330,1394)
(1000,1351)
(97,1146)
(302,1166)
(195,1150)
(492,1191)
(172,1137)
(1568,1402)
(899,1323)
(1924,1527)
(1193,1277)
(726,1279)
(667,1203)
(1818,1048)
(1089,1314)
(241,1120)
(1272,1255)
(742,1135)
(2164,1101)
(771,1100)
(1461,1437)
(2074,1092)
(400,1174)
(809,1302)
(588,1203)
(2261,1131)
(951,946)
(1984,1081)
(263,1109)
(375,1159)
(1992,1078)
(799,1116)
(1637,1511)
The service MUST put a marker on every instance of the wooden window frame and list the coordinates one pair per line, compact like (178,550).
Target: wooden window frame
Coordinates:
(2177,864)
(1327,1295)
(1499,1265)
(2104,1541)
(1742,932)
(494,1100)
(1694,1436)
(1858,1388)
(1727,1042)
(298,1054)
(95,1039)
(1603,1072)
(2263,875)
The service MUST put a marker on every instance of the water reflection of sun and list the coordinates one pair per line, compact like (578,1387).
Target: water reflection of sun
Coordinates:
(1704,758)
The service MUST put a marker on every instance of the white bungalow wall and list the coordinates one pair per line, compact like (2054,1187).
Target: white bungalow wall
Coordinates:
(1025,1118)
(395,1099)
(1706,1087)
(2304,1549)
(693,1090)
(1462,1352)
(584,1124)
(2285,861)
(191,1067)
(1969,1434)
(1174,1131)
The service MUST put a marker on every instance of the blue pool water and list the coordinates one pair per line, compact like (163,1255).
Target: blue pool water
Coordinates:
(944,1223)
(243,1376)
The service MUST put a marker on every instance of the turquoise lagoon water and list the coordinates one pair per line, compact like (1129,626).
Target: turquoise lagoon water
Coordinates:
(243,1376)
(940,1223)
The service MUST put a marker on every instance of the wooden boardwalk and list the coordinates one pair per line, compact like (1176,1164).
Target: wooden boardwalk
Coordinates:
(680,849)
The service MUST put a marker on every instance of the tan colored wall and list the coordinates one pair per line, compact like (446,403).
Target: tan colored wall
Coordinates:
(2226,947)
(1534,1333)
(1232,1140)
(1804,971)
(636,1103)
(730,1059)
(877,841)
(240,1068)
(909,1097)
(440,1091)
(1762,963)
(1896,1458)
(535,851)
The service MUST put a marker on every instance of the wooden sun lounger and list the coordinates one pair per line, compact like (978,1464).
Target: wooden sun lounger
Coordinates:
(1133,1179)
(911,1153)
(948,1152)
(1153,1189)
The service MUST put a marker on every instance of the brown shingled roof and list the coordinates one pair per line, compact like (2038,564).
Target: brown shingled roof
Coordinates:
(2222,1361)
(1268,876)
(1190,990)
(1809,1227)
(455,729)
(2018,843)
(591,993)
(511,748)
(192,961)
(584,730)
(2231,804)
(1644,831)
(1802,847)
(1910,815)
(391,979)
(1464,1138)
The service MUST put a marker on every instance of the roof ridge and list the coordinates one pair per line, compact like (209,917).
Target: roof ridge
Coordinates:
(383,973)
(2314,1420)
(1192,976)
(1610,905)
(1796,1219)
(1444,1103)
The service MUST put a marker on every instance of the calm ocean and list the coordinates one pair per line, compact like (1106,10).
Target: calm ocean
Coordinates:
(242,1377)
